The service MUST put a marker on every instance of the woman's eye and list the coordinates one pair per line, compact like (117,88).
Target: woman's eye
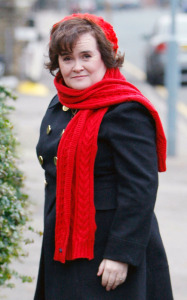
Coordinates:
(66,58)
(87,55)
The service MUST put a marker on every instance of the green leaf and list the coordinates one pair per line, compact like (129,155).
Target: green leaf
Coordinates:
(14,203)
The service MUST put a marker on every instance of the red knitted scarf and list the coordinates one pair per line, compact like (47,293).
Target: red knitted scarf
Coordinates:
(75,211)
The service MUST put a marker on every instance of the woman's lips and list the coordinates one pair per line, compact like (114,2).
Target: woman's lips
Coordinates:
(79,76)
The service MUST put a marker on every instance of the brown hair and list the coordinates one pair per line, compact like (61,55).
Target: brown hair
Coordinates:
(65,34)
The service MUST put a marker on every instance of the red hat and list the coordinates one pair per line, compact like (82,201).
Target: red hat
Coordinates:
(105,26)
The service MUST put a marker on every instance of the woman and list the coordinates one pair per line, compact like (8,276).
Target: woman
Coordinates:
(101,145)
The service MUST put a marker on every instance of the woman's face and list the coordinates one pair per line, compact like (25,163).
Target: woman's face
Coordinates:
(82,67)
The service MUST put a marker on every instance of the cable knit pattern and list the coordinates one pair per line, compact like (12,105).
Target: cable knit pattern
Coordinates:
(75,211)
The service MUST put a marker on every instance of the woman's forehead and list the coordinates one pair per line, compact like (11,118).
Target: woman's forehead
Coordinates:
(85,42)
(86,39)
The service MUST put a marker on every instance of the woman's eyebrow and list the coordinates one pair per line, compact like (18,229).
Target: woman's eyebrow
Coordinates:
(65,53)
(86,51)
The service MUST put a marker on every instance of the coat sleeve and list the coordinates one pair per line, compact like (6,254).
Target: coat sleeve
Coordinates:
(132,138)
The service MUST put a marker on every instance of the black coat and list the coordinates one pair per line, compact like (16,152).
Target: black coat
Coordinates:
(125,187)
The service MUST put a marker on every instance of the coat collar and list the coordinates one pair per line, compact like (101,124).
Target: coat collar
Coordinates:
(54,102)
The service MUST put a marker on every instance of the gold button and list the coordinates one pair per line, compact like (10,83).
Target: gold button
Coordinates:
(45,182)
(62,132)
(48,129)
(65,108)
(55,160)
(41,160)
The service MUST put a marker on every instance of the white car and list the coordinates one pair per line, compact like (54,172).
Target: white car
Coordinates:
(156,48)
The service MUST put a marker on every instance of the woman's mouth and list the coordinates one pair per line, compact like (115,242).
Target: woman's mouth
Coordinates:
(79,76)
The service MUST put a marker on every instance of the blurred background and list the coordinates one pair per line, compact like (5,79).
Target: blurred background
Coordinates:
(25,25)
(153,35)
(143,28)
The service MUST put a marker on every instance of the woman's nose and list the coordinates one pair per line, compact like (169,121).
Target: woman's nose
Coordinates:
(78,66)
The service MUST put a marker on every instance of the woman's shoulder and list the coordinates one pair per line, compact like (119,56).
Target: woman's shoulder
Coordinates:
(54,101)
(128,109)
(126,118)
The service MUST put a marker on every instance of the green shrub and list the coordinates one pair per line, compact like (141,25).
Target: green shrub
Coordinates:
(13,202)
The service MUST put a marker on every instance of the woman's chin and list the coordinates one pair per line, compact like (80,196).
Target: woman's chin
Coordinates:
(80,86)
(79,83)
